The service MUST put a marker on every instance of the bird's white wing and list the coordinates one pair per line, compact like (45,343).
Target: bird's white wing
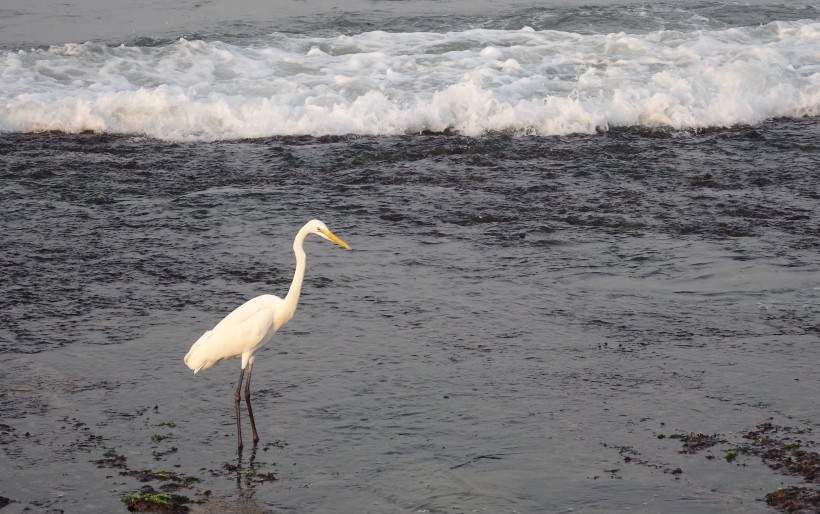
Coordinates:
(240,333)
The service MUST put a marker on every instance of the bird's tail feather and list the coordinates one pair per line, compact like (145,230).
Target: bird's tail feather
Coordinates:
(195,359)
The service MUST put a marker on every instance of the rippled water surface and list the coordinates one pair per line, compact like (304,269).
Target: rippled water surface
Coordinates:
(515,314)
(623,252)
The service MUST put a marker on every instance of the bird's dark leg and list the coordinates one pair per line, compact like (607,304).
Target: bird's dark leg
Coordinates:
(236,399)
(248,402)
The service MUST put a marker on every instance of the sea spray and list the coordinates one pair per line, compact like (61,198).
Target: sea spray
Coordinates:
(472,82)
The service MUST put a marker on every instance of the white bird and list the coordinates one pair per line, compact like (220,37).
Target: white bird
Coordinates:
(251,325)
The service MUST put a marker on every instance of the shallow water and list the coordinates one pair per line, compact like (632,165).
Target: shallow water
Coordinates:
(529,315)
(516,314)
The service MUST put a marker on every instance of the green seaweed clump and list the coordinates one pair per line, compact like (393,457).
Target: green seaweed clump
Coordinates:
(152,501)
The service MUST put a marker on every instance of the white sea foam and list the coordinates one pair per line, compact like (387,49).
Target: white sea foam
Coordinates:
(522,81)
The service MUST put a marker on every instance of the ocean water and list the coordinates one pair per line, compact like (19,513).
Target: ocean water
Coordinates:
(578,229)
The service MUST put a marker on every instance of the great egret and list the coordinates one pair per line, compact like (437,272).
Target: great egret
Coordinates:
(251,325)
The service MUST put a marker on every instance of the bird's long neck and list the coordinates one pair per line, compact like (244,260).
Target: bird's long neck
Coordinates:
(295,290)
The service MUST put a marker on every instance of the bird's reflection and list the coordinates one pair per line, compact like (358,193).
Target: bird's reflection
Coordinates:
(241,472)
(250,474)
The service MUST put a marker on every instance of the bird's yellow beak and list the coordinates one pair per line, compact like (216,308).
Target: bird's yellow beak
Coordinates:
(333,237)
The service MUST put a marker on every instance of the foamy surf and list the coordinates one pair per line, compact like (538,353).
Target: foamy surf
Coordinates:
(379,83)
